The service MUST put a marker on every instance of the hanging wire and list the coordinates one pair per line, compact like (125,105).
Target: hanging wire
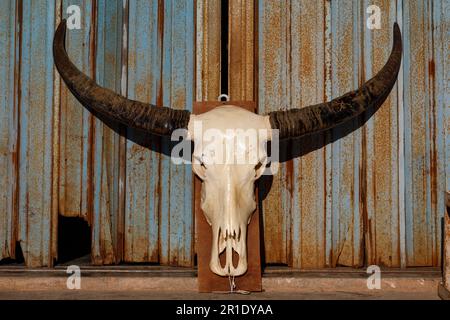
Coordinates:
(232,287)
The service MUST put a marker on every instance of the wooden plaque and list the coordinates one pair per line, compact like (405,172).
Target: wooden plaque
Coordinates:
(207,280)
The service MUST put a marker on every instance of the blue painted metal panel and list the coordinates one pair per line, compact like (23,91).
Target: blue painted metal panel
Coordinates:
(424,129)
(75,121)
(345,152)
(441,94)
(272,87)
(8,128)
(384,238)
(378,203)
(142,220)
(36,128)
(107,224)
(159,206)
(311,214)
(176,231)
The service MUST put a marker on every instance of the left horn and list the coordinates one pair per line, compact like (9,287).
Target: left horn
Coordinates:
(134,114)
(298,122)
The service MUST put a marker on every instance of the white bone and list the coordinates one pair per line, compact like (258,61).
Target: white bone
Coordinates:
(227,198)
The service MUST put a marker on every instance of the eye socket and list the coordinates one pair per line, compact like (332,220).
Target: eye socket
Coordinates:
(199,161)
(260,167)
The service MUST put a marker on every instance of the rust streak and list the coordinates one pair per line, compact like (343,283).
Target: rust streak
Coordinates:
(120,254)
(366,239)
(159,99)
(17,100)
(159,102)
(431,68)
(434,156)
(91,153)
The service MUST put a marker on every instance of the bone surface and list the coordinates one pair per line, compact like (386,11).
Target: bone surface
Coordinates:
(229,158)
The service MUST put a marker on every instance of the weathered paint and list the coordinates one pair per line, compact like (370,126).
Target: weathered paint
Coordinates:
(75,121)
(241,50)
(380,171)
(159,194)
(291,55)
(36,138)
(441,13)
(361,199)
(56,157)
(142,164)
(8,129)
(441,52)
(345,152)
(291,58)
(176,229)
(424,106)
(208,46)
(308,85)
(89,150)
(107,221)
(272,69)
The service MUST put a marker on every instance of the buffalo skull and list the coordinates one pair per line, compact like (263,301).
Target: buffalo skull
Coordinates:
(227,197)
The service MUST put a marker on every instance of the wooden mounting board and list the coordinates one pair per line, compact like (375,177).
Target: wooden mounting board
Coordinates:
(207,280)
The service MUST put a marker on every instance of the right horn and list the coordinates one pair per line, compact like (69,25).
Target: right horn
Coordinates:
(298,122)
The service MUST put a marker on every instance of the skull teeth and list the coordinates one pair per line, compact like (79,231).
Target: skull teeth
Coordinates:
(230,235)
(229,241)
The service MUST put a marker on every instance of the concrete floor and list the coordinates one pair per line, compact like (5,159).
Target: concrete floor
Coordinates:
(151,295)
(155,283)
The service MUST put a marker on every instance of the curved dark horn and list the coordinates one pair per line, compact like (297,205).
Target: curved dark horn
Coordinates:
(134,114)
(319,117)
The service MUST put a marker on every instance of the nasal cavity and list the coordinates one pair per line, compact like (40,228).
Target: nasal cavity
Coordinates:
(223,258)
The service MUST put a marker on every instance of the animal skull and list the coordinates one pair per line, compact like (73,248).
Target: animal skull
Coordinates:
(227,196)
(228,186)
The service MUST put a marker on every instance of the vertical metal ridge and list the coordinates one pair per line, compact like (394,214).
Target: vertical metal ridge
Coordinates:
(9,114)
(91,138)
(18,96)
(56,149)
(122,138)
(401,150)
(208,48)
(159,102)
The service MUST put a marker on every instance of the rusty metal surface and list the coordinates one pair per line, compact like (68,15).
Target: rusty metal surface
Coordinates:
(291,73)
(36,133)
(105,211)
(177,89)
(8,129)
(241,36)
(425,109)
(75,143)
(159,223)
(208,46)
(271,92)
(384,230)
(369,197)
(142,177)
